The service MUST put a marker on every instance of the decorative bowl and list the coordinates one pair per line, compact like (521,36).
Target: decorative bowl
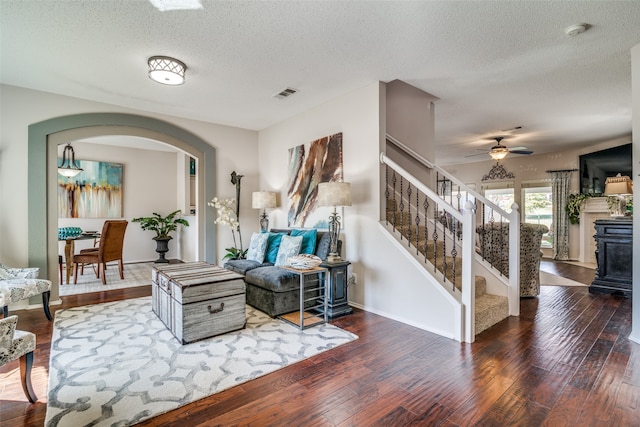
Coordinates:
(304,261)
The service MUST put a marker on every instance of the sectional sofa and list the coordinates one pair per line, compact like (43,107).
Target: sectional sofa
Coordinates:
(272,289)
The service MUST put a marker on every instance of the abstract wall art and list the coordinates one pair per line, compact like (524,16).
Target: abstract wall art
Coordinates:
(310,164)
(96,192)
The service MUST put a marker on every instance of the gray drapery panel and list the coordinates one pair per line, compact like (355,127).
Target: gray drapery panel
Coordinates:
(560,185)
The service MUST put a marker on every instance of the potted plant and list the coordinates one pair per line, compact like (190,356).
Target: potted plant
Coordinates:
(574,206)
(162,226)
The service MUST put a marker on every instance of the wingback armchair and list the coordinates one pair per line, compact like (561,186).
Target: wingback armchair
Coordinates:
(16,344)
(17,284)
(494,248)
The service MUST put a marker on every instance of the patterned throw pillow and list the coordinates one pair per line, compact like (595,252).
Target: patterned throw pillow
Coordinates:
(308,239)
(272,247)
(257,247)
(289,246)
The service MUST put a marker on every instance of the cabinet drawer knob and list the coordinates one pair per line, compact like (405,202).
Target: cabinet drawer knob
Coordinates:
(216,310)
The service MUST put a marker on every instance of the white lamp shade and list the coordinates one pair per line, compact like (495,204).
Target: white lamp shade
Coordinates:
(263,200)
(334,194)
(618,185)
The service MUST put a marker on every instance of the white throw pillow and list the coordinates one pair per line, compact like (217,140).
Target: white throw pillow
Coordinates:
(289,246)
(257,247)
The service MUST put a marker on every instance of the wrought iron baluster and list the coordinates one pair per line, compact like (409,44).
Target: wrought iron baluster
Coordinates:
(454,255)
(443,220)
(435,236)
(386,194)
(501,234)
(401,206)
(395,203)
(417,221)
(484,231)
(409,231)
(425,204)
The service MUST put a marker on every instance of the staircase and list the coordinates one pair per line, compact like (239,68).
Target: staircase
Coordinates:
(489,309)
(433,219)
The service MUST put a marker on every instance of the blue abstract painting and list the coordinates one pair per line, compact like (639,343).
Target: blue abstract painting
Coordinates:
(96,192)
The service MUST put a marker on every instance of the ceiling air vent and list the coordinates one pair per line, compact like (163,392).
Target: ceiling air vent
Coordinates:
(285,93)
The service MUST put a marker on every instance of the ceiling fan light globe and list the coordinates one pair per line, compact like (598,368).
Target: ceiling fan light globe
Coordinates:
(498,152)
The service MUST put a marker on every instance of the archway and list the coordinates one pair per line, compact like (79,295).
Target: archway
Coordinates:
(42,150)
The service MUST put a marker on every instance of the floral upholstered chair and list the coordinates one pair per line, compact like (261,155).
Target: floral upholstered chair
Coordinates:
(16,344)
(494,248)
(17,284)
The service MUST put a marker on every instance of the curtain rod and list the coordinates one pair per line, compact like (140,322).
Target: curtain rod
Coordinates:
(564,170)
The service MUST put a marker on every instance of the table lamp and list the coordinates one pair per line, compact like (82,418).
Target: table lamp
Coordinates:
(263,200)
(334,194)
(619,186)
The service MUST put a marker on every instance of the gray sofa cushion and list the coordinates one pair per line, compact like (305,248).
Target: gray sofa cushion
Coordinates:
(241,265)
(273,278)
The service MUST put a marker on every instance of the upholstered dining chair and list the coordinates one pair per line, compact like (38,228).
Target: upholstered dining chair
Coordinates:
(16,344)
(109,249)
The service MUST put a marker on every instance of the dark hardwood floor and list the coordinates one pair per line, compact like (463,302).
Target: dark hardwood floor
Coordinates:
(566,361)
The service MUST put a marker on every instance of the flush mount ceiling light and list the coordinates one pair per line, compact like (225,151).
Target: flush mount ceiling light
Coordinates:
(166,70)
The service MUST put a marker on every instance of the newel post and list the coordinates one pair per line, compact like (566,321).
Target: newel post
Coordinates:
(468,280)
(514,261)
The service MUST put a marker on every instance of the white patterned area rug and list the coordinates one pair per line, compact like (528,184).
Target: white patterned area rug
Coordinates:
(135,274)
(117,364)
(547,279)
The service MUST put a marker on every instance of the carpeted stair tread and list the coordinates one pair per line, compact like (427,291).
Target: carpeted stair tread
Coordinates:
(490,309)
(481,286)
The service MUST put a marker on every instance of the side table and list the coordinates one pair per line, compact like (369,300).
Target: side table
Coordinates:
(313,298)
(337,288)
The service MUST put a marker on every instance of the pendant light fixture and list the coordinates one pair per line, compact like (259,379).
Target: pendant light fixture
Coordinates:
(69,167)
(166,70)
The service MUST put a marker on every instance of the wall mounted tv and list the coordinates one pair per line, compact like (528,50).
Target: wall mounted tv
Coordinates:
(597,166)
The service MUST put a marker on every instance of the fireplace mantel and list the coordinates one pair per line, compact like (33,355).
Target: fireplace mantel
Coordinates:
(594,209)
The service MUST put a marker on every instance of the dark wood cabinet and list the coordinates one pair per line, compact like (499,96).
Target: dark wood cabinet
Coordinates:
(337,288)
(614,254)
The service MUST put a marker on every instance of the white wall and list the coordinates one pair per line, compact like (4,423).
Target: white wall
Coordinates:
(410,117)
(532,168)
(388,283)
(236,149)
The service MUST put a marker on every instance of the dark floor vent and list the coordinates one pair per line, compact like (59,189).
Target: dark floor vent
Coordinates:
(286,93)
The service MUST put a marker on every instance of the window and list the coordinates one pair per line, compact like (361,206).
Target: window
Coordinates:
(501,195)
(460,196)
(536,200)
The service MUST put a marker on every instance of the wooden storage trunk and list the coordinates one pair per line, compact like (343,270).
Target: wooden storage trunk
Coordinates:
(198,300)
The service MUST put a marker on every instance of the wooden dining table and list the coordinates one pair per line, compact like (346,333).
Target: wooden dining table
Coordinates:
(69,248)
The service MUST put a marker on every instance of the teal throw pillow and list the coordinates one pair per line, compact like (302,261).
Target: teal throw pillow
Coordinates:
(289,246)
(257,247)
(273,244)
(308,240)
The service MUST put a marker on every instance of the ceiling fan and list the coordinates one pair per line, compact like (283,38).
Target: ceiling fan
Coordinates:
(499,151)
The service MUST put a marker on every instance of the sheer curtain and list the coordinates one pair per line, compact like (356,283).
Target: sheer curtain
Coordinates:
(560,185)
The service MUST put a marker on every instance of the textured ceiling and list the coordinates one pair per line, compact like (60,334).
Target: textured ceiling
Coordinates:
(493,64)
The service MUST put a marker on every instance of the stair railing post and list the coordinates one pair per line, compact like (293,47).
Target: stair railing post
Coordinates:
(514,261)
(468,282)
